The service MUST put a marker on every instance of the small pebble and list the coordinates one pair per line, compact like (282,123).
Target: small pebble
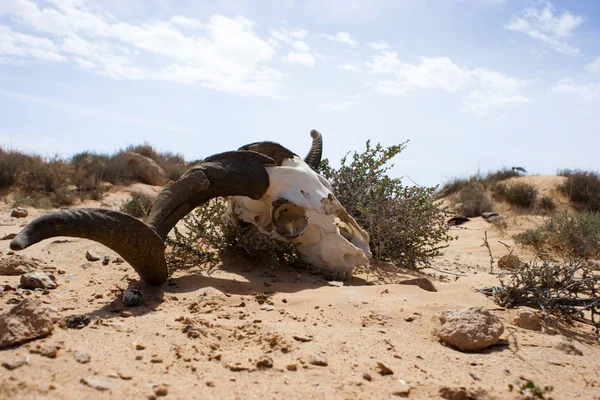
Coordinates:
(91,256)
(161,390)
(318,359)
(132,297)
(82,357)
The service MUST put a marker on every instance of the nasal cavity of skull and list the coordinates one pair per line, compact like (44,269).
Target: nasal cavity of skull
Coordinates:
(289,219)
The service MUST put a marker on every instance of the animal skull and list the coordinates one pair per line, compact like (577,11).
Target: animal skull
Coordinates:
(300,208)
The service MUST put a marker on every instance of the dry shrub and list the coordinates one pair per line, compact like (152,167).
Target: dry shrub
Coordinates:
(546,204)
(582,188)
(137,205)
(519,194)
(455,185)
(473,201)
(568,236)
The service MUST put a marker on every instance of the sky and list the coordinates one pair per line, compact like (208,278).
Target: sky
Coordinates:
(474,85)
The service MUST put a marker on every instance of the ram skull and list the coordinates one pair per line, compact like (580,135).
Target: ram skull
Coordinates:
(264,184)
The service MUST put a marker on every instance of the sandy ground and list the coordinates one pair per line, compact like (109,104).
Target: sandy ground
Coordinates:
(202,334)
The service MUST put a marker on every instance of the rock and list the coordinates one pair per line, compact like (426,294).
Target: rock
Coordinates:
(82,357)
(126,314)
(568,348)
(264,362)
(19,212)
(470,329)
(99,383)
(125,375)
(423,283)
(292,367)
(384,370)
(318,359)
(161,390)
(91,256)
(491,216)
(26,321)
(34,280)
(105,186)
(8,236)
(528,320)
(302,338)
(367,377)
(146,168)
(460,393)
(105,261)
(17,265)
(77,321)
(509,262)
(132,298)
(46,350)
(14,364)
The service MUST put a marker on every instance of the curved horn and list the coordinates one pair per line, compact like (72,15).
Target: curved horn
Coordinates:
(313,158)
(234,173)
(139,245)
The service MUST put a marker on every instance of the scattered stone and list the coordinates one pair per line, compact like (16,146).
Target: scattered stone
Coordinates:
(105,261)
(19,212)
(462,393)
(367,377)
(470,329)
(528,320)
(568,348)
(34,280)
(267,307)
(132,298)
(410,318)
(292,367)
(118,260)
(161,390)
(139,346)
(302,338)
(404,392)
(14,364)
(423,283)
(491,216)
(26,321)
(318,359)
(237,368)
(8,236)
(77,321)
(46,350)
(384,370)
(146,168)
(17,265)
(91,256)
(336,283)
(156,360)
(509,262)
(126,314)
(264,362)
(99,383)
(125,375)
(82,357)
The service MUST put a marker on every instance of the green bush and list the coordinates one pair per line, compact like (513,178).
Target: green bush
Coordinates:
(137,205)
(582,188)
(518,194)
(546,204)
(566,235)
(473,201)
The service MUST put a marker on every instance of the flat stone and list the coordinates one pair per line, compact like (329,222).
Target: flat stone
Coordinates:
(17,265)
(26,321)
(14,364)
(528,320)
(35,280)
(470,329)
(423,283)
(318,359)
(99,383)
(91,256)
(82,357)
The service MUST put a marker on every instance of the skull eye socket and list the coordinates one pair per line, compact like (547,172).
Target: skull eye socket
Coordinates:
(289,219)
(345,230)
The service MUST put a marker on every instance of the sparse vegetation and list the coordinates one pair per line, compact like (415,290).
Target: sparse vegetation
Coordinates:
(546,204)
(566,235)
(405,226)
(487,181)
(137,205)
(519,194)
(473,200)
(582,188)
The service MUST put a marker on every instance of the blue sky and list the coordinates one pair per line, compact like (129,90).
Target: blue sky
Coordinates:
(473,84)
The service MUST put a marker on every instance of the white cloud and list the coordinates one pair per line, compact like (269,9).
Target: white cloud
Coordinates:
(589,91)
(337,106)
(544,25)
(379,45)
(349,67)
(223,54)
(594,66)
(342,37)
(299,58)
(488,89)
(301,54)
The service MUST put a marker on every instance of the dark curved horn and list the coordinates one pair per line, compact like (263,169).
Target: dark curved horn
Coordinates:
(313,158)
(139,245)
(234,173)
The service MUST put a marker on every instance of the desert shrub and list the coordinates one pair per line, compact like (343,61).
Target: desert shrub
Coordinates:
(500,175)
(11,164)
(546,204)
(208,235)
(583,188)
(137,205)
(473,201)
(455,185)
(173,164)
(568,291)
(568,236)
(518,194)
(404,224)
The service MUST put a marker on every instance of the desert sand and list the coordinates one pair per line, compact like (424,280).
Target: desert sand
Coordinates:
(214,334)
